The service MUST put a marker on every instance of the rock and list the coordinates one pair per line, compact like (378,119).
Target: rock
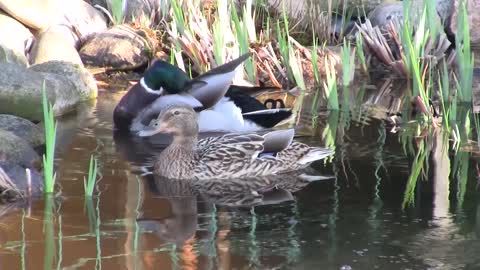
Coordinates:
(473,7)
(42,14)
(17,150)
(56,43)
(12,44)
(23,128)
(120,47)
(36,14)
(83,80)
(86,19)
(384,13)
(18,176)
(21,90)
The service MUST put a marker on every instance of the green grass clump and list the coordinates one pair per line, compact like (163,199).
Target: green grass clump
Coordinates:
(50,134)
(89,183)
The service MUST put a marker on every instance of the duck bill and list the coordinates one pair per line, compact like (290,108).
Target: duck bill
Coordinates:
(150,131)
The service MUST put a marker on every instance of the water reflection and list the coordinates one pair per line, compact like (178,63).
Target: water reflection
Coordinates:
(357,218)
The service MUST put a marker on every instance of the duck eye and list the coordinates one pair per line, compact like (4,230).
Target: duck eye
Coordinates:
(176,113)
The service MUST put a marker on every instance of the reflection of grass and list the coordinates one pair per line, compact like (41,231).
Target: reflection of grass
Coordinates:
(417,168)
(49,232)
(50,134)
(460,172)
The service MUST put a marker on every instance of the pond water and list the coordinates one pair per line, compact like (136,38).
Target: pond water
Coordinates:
(370,215)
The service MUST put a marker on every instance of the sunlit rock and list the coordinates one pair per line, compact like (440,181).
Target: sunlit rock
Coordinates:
(56,43)
(121,47)
(21,88)
(12,42)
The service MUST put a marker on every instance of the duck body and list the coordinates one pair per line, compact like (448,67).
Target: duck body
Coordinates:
(228,156)
(220,105)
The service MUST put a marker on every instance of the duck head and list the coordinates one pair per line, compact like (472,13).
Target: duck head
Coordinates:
(179,120)
(161,77)
(164,77)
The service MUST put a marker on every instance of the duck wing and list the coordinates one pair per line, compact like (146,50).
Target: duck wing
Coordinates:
(211,86)
(230,147)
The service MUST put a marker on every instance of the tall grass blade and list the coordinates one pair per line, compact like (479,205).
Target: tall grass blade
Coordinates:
(50,134)
(89,183)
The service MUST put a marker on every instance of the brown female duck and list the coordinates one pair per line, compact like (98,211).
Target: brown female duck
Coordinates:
(228,156)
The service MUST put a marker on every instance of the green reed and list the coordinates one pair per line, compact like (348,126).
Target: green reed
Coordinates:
(330,84)
(89,183)
(361,53)
(347,56)
(242,35)
(50,135)
(465,57)
(117,10)
(316,74)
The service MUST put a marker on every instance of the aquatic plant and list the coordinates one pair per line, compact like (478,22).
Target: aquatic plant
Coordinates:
(361,53)
(347,56)
(465,58)
(89,183)
(242,30)
(116,10)
(50,135)
(330,84)
(316,74)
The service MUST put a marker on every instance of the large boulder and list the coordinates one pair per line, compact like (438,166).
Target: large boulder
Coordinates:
(36,14)
(16,150)
(121,47)
(23,128)
(12,42)
(83,80)
(473,7)
(56,43)
(42,14)
(21,88)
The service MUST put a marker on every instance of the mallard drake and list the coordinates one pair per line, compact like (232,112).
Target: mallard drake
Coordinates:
(221,106)
(228,156)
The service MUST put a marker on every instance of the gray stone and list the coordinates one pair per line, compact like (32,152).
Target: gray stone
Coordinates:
(56,43)
(12,44)
(17,150)
(18,176)
(83,80)
(383,14)
(21,91)
(23,128)
(120,47)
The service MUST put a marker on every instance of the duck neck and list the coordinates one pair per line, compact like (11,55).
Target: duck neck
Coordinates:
(189,142)
(177,160)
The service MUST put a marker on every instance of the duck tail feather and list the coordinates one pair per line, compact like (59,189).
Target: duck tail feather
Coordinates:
(315,153)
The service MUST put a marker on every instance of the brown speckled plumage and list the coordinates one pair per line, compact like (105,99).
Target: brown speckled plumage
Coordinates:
(225,157)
